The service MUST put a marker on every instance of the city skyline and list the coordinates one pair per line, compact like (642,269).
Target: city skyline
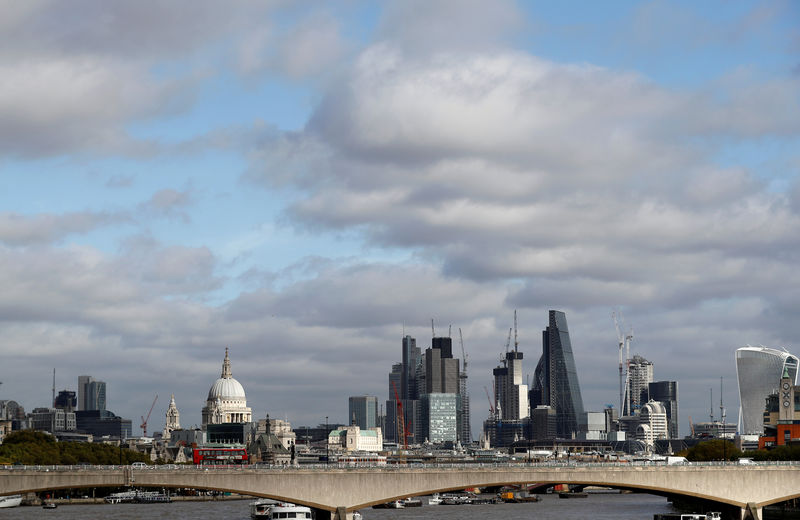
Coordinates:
(306,183)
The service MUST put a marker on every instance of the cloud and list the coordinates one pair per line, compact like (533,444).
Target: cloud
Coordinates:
(17,229)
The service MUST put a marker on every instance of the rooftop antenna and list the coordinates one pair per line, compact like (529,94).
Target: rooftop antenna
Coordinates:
(711,402)
(516,343)
(433,331)
(722,413)
(450,331)
(54,387)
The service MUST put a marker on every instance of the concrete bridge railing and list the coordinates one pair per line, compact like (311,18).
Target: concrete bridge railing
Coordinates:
(748,488)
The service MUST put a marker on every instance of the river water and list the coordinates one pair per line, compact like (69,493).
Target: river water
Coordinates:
(595,506)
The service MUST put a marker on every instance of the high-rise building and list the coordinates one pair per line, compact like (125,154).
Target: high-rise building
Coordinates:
(511,395)
(640,373)
(91,394)
(666,393)
(439,416)
(758,369)
(556,378)
(411,358)
(363,411)
(441,369)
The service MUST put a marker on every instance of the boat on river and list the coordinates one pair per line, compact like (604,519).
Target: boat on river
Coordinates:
(394,504)
(273,510)
(10,501)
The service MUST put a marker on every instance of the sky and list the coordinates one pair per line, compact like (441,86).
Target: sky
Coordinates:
(304,182)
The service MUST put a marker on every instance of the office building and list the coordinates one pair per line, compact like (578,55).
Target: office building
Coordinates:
(102,423)
(758,370)
(511,395)
(640,374)
(52,420)
(666,393)
(411,358)
(441,369)
(91,394)
(363,411)
(439,417)
(556,378)
(66,400)
(652,423)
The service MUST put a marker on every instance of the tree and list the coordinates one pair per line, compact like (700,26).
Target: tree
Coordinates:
(715,449)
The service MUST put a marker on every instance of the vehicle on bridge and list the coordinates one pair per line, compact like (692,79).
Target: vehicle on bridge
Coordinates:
(219,456)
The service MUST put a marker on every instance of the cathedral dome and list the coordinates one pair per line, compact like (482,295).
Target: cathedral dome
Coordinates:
(226,388)
(226,400)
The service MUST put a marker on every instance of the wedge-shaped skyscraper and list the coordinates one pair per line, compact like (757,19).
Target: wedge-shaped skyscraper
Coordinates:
(758,371)
(556,379)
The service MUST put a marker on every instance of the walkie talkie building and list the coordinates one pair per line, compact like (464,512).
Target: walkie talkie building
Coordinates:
(758,371)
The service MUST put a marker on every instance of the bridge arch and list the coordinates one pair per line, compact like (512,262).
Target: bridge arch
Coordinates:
(341,489)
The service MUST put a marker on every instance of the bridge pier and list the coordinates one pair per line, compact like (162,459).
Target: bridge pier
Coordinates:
(751,512)
(340,514)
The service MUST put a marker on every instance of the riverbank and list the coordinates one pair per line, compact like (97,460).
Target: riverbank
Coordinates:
(178,498)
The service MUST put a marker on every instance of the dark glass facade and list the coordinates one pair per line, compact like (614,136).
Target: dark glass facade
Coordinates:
(556,378)
(666,392)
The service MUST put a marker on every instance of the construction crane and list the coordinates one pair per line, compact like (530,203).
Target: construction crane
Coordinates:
(491,406)
(402,429)
(463,352)
(508,343)
(624,375)
(144,420)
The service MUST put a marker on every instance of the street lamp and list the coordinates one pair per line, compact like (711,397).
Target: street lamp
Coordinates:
(327,440)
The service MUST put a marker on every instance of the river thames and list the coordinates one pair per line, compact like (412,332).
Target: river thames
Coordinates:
(600,506)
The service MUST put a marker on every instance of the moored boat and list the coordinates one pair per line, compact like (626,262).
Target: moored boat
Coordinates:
(49,505)
(572,494)
(412,502)
(10,501)
(434,500)
(279,510)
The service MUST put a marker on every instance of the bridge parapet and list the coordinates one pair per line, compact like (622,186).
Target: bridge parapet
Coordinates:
(329,488)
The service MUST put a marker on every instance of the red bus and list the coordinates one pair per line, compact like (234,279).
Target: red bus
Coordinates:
(219,456)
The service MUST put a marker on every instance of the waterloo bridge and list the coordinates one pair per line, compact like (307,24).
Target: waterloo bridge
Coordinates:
(745,490)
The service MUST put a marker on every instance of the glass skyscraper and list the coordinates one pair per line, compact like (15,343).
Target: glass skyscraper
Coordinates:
(363,411)
(556,378)
(758,371)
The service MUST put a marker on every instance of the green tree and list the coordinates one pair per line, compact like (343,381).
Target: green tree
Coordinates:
(715,449)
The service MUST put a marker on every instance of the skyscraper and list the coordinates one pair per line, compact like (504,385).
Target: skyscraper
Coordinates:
(556,378)
(758,371)
(91,394)
(511,394)
(411,358)
(640,373)
(666,393)
(363,411)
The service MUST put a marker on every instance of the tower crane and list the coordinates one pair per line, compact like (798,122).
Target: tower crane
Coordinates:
(624,376)
(402,428)
(491,406)
(463,352)
(143,426)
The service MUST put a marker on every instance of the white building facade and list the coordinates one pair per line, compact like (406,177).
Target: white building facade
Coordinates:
(226,401)
(758,370)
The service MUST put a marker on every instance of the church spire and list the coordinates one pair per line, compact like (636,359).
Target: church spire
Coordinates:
(226,366)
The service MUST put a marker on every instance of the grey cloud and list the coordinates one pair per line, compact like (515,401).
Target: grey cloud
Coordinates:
(423,27)
(168,203)
(17,229)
